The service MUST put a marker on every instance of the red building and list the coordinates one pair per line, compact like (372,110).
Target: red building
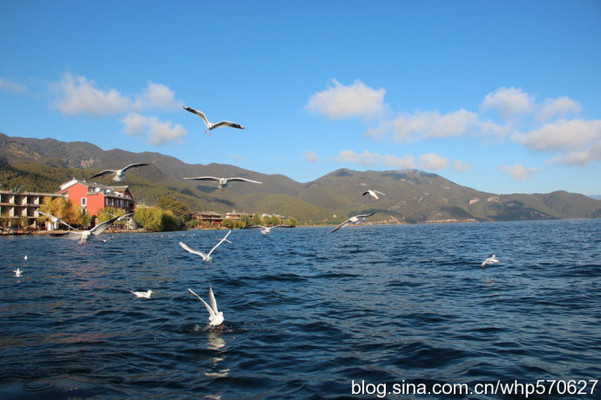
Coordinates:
(93,197)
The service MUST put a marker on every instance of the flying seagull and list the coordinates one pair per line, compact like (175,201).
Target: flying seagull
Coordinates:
(222,182)
(18,272)
(266,230)
(374,193)
(352,220)
(119,173)
(210,125)
(215,316)
(206,257)
(143,295)
(490,260)
(83,236)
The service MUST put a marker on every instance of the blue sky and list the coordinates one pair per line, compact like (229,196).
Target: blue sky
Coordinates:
(501,96)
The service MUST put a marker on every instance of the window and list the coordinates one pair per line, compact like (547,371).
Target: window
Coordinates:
(84,201)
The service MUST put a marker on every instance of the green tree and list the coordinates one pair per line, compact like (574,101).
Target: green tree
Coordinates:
(275,220)
(179,208)
(256,219)
(244,221)
(291,221)
(63,209)
(266,220)
(228,223)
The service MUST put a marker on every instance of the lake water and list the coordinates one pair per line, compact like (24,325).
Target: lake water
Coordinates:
(378,311)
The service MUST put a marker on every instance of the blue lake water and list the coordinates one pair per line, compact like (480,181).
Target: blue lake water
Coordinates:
(307,314)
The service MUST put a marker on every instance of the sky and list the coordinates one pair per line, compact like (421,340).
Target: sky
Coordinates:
(501,96)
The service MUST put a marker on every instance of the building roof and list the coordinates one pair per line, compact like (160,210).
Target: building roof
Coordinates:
(93,187)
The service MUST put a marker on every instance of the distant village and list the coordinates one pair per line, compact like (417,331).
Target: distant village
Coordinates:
(20,211)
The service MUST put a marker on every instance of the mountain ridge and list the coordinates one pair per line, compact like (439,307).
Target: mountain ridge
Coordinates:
(412,196)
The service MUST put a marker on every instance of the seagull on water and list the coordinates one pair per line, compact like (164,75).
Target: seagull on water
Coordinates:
(119,173)
(83,236)
(266,230)
(210,125)
(222,182)
(206,257)
(215,316)
(18,272)
(352,220)
(143,295)
(490,260)
(374,193)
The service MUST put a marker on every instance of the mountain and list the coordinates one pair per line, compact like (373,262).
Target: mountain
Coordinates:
(411,196)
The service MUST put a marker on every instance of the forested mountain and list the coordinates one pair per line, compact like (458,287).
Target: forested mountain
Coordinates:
(411,196)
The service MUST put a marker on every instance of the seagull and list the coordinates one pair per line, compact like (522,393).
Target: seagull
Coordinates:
(143,295)
(25,258)
(490,260)
(83,236)
(206,257)
(266,230)
(374,193)
(119,173)
(215,316)
(210,125)
(222,182)
(352,220)
(18,272)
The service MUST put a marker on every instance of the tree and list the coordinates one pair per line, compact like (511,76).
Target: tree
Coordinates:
(179,208)
(244,221)
(256,219)
(290,221)
(228,223)
(63,209)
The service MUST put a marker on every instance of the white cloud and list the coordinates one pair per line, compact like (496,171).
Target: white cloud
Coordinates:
(461,166)
(431,161)
(339,101)
(518,172)
(433,124)
(13,87)
(562,135)
(78,95)
(158,132)
(510,102)
(311,156)
(559,107)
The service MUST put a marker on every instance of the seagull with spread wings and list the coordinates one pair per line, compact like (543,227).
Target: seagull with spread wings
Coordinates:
(352,220)
(222,182)
(374,193)
(119,173)
(205,256)
(83,236)
(210,125)
(215,316)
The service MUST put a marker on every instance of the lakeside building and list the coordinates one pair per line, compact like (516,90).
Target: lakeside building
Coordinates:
(15,207)
(214,219)
(93,197)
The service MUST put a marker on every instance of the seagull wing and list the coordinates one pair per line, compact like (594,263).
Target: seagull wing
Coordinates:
(342,225)
(221,241)
(101,173)
(209,309)
(98,229)
(227,123)
(378,192)
(189,250)
(53,218)
(237,179)
(364,215)
(134,166)
(199,113)
(364,193)
(212,300)
(203,178)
